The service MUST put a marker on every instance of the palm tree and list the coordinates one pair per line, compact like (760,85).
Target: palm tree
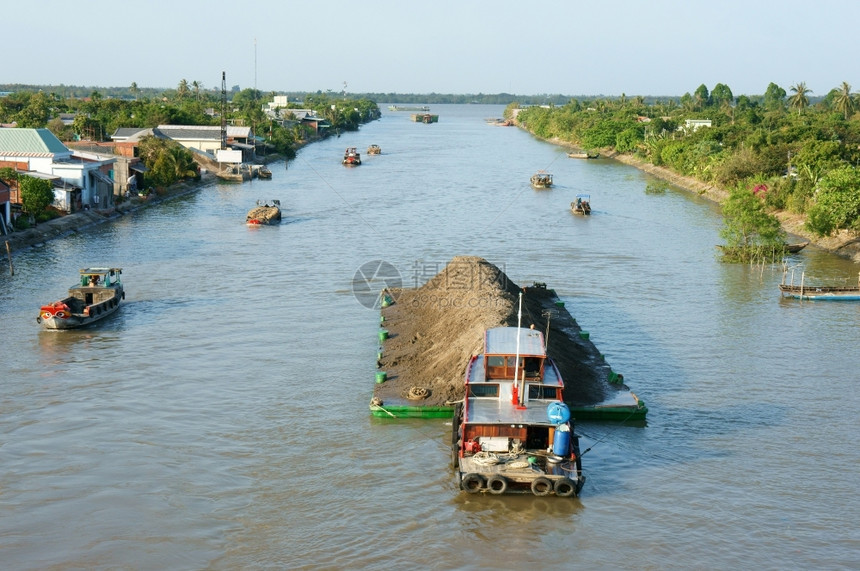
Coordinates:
(134,89)
(196,85)
(799,100)
(182,90)
(845,101)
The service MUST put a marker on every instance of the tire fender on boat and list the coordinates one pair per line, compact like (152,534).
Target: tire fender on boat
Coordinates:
(39,319)
(497,484)
(564,487)
(472,483)
(541,486)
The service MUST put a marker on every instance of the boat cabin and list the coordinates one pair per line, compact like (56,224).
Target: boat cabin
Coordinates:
(506,396)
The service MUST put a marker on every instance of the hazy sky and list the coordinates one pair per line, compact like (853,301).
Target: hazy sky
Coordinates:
(603,47)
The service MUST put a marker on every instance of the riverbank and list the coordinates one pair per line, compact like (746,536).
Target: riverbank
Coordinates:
(842,243)
(85,219)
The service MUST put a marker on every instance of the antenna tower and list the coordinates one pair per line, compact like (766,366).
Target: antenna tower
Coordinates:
(223,110)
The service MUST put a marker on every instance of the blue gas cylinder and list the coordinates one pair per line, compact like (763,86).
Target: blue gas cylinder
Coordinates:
(557,412)
(561,441)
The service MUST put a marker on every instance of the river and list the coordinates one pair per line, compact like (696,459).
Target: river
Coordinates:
(220,419)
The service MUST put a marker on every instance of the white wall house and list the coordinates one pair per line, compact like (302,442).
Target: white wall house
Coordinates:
(85,177)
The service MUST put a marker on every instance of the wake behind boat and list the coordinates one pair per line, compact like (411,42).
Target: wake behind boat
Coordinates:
(512,433)
(98,295)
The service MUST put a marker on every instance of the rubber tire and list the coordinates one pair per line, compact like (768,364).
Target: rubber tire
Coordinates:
(564,488)
(472,483)
(497,484)
(541,486)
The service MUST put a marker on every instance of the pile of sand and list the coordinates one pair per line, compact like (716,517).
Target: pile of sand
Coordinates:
(435,329)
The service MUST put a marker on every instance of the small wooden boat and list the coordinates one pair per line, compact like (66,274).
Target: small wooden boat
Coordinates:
(513,433)
(374,150)
(582,204)
(795,248)
(584,155)
(266,212)
(805,291)
(351,157)
(541,179)
(264,173)
(98,295)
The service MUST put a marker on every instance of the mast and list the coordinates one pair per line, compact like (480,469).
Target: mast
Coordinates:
(223,110)
(517,383)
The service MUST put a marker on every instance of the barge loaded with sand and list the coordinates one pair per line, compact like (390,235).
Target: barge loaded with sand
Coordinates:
(428,334)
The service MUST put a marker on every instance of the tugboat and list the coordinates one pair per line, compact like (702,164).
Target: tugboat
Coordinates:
(351,157)
(513,433)
(98,294)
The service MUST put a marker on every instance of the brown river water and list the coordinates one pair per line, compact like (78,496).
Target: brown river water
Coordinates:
(220,419)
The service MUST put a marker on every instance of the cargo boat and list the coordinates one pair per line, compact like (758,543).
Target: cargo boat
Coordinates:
(98,295)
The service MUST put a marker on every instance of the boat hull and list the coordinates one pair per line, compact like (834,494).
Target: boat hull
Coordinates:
(820,293)
(77,319)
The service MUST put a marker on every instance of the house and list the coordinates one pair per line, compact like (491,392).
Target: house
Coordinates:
(81,180)
(206,138)
(695,124)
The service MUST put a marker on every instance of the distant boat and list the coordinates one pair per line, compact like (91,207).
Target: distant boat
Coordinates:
(805,291)
(351,157)
(582,204)
(374,150)
(264,173)
(408,108)
(583,155)
(425,118)
(98,295)
(541,179)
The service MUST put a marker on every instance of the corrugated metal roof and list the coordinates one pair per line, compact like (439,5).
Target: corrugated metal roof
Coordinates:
(31,142)
(503,341)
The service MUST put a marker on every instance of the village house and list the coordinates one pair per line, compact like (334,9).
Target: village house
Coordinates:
(80,179)
(205,138)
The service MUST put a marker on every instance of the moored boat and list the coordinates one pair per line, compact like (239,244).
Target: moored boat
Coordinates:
(583,155)
(513,433)
(266,212)
(97,295)
(374,150)
(804,291)
(582,204)
(541,179)
(351,157)
(264,173)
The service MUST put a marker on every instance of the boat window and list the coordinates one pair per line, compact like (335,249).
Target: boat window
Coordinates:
(542,392)
(484,390)
(495,361)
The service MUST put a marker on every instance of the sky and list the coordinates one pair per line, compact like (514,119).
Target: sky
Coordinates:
(527,47)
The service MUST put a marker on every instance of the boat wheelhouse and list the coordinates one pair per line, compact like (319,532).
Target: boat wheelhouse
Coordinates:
(513,434)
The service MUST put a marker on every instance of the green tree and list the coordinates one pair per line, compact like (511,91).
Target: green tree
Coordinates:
(721,94)
(800,99)
(844,101)
(751,233)
(701,97)
(36,194)
(182,90)
(836,203)
(774,97)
